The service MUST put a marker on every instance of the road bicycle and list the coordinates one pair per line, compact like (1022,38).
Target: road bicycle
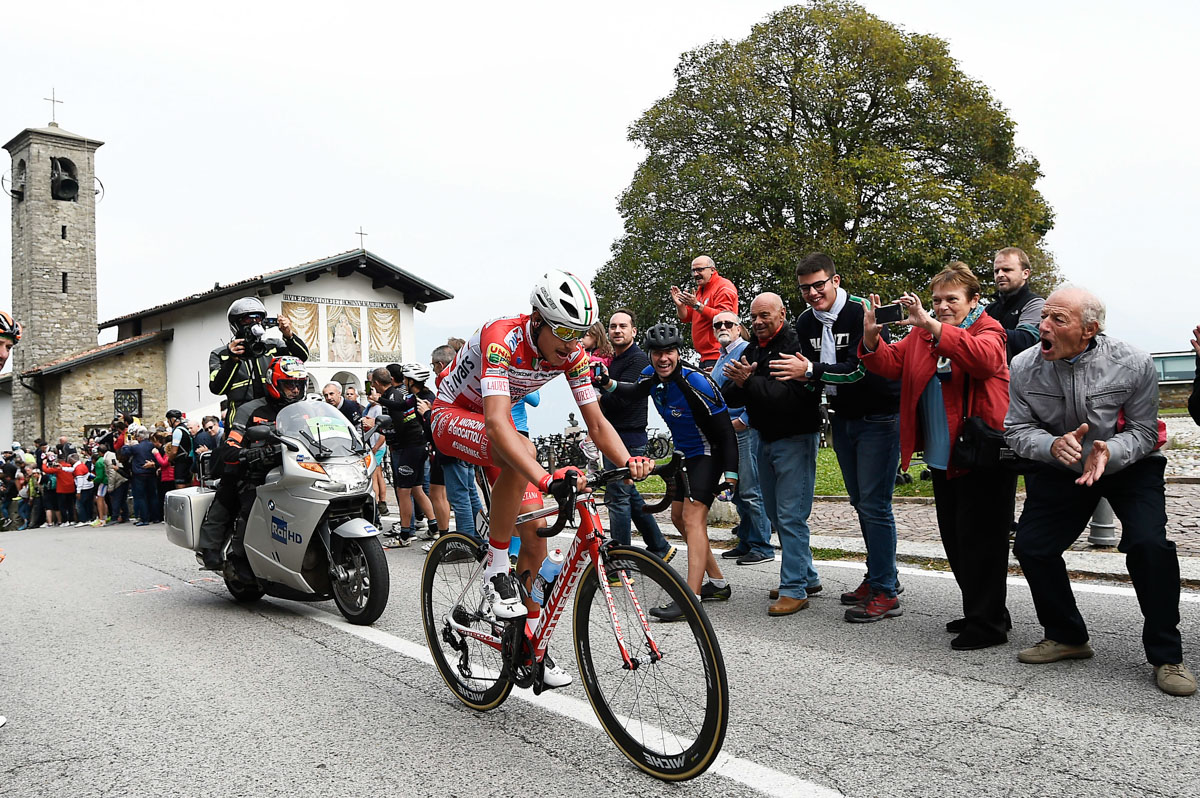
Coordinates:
(658,444)
(659,690)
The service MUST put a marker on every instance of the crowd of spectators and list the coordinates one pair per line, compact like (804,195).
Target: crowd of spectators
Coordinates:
(120,475)
(1076,414)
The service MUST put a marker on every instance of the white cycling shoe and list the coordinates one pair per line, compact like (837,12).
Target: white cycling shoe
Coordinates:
(502,597)
(552,675)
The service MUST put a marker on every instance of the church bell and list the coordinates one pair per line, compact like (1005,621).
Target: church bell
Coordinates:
(63,185)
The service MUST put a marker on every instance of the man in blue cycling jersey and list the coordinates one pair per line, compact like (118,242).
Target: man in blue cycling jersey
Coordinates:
(691,405)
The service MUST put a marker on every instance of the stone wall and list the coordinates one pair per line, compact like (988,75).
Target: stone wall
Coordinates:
(51,238)
(1174,395)
(85,396)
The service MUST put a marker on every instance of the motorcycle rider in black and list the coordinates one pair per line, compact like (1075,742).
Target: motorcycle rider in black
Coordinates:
(246,465)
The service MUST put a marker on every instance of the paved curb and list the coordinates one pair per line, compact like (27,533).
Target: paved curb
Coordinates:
(1097,564)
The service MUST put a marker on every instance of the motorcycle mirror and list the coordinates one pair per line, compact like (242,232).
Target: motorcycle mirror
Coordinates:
(259,433)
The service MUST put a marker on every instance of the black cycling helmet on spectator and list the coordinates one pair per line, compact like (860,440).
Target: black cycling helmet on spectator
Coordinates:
(174,414)
(662,336)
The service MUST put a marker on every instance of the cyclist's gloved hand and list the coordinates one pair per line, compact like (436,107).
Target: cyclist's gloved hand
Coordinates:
(639,467)
(561,484)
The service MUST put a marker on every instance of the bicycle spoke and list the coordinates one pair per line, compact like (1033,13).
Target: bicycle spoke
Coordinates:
(668,716)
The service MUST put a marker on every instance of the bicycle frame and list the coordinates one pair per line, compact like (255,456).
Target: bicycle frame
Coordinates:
(586,547)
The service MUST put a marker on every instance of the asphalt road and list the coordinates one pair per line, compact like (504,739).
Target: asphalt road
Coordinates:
(125,671)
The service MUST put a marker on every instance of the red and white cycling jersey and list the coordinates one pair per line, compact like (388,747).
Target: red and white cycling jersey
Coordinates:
(501,359)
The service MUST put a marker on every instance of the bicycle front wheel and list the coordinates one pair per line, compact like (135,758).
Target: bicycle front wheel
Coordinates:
(667,715)
(450,591)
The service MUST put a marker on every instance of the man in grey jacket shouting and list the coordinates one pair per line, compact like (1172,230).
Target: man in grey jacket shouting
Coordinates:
(1085,407)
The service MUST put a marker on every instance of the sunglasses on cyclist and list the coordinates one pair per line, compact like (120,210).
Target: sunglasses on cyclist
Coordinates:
(568,334)
(728,325)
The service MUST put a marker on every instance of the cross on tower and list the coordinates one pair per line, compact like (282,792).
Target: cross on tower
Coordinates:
(360,235)
(53,100)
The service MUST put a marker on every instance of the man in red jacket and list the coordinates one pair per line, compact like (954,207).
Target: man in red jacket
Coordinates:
(714,294)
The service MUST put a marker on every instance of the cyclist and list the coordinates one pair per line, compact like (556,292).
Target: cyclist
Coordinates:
(505,360)
(689,401)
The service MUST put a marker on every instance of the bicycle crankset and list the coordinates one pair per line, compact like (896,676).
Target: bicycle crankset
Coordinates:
(517,650)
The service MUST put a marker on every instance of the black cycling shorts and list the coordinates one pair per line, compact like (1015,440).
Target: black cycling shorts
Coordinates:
(436,475)
(703,478)
(408,466)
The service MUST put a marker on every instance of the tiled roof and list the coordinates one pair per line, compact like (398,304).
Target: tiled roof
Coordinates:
(99,353)
(385,274)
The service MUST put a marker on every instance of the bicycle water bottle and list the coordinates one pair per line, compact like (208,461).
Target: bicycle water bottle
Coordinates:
(544,582)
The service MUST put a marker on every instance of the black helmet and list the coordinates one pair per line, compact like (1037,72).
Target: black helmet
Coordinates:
(663,336)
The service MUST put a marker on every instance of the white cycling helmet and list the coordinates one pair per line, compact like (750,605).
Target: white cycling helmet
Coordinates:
(565,302)
(415,372)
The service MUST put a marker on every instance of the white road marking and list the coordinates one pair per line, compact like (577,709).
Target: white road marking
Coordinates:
(751,774)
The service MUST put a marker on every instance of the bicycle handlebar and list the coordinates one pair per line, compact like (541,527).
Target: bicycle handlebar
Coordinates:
(566,506)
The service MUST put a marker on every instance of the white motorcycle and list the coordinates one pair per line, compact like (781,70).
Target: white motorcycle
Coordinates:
(307,537)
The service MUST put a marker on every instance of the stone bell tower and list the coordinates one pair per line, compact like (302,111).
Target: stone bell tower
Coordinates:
(53,258)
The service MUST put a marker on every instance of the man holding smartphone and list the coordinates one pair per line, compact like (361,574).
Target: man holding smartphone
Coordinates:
(865,410)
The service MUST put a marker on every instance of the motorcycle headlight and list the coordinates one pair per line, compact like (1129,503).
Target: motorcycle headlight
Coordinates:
(343,478)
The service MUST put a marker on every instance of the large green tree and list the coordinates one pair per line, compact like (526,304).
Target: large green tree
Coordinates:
(827,129)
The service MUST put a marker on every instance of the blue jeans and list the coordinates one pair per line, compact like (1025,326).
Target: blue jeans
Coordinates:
(624,504)
(868,452)
(83,509)
(117,505)
(787,473)
(462,495)
(754,528)
(145,493)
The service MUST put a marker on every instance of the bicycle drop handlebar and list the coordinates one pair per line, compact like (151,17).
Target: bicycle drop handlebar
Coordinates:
(566,505)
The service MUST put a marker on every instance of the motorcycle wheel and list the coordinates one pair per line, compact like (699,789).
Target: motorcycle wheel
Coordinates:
(242,593)
(364,596)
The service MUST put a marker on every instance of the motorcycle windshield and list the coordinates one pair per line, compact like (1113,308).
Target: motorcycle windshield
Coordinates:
(319,423)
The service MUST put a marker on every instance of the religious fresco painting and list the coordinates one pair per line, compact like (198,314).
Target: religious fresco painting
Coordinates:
(383,324)
(305,322)
(344,324)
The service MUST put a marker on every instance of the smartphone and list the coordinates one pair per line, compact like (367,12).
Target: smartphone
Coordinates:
(890,314)
(270,321)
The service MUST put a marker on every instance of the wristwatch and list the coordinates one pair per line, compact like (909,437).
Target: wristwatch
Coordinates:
(808,372)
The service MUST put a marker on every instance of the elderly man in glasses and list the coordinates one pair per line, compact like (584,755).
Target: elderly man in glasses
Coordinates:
(865,410)
(713,295)
(753,531)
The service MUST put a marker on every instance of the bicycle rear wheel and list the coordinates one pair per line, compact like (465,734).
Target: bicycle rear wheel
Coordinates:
(667,716)
(470,668)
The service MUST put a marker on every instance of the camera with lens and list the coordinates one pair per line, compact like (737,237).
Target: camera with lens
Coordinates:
(261,337)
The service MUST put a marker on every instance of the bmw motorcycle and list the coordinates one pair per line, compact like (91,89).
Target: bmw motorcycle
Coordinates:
(307,537)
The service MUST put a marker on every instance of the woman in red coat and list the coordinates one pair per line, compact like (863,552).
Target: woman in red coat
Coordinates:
(957,349)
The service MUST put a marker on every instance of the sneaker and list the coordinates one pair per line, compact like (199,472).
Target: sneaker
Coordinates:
(710,592)
(419,525)
(1175,679)
(859,594)
(428,546)
(735,553)
(876,608)
(502,597)
(392,540)
(552,675)
(667,612)
(667,555)
(431,533)
(1050,651)
(754,558)
(382,509)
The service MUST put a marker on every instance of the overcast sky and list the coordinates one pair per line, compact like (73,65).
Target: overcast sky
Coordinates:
(480,143)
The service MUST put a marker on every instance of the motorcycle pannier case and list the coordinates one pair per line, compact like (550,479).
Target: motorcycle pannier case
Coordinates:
(185,513)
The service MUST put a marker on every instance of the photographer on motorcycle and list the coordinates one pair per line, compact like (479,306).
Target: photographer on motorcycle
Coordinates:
(240,372)
(246,465)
